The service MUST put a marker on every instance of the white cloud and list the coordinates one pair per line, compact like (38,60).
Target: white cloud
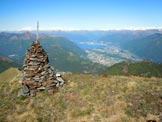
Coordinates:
(104,29)
(29,28)
(66,28)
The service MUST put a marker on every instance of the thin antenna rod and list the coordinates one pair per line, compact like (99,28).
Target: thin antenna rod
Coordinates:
(37,36)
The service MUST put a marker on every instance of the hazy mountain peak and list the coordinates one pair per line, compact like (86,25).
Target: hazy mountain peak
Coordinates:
(27,36)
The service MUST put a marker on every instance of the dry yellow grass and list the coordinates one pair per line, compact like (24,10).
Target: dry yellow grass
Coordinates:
(85,98)
(8,75)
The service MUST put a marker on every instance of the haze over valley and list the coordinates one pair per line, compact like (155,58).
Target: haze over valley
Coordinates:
(103,47)
(110,47)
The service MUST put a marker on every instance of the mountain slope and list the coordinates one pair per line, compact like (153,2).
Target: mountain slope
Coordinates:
(85,97)
(143,68)
(15,45)
(64,55)
(149,47)
(6,63)
(123,36)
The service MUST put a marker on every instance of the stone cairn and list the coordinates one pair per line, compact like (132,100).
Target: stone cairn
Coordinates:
(37,74)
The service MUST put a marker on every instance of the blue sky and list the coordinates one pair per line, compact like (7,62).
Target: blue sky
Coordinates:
(80,14)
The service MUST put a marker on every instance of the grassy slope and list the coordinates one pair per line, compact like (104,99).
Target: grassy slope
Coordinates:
(4,65)
(85,97)
(142,68)
(8,74)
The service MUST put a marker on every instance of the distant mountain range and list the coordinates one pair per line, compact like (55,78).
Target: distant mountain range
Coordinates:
(149,47)
(146,44)
(100,35)
(123,36)
(64,55)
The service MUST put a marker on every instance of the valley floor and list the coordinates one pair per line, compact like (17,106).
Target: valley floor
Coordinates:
(110,55)
(84,98)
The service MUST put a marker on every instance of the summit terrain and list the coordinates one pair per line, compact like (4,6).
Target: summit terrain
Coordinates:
(84,97)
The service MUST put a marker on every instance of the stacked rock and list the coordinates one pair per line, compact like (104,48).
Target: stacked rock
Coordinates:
(37,74)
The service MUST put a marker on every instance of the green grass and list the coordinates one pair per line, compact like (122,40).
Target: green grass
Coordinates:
(4,65)
(85,98)
(141,68)
(8,75)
